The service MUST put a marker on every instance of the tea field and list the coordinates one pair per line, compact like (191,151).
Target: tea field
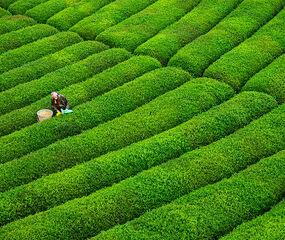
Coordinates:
(178,123)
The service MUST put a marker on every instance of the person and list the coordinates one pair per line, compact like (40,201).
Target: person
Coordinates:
(58,103)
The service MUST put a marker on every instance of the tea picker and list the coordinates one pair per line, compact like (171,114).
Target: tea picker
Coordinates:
(59,104)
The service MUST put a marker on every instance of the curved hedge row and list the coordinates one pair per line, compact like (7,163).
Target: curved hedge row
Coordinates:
(138,28)
(21,6)
(212,211)
(13,23)
(270,80)
(269,226)
(47,64)
(4,12)
(79,181)
(44,11)
(27,93)
(238,65)
(33,51)
(90,114)
(108,16)
(231,31)
(87,216)
(24,36)
(164,112)
(194,24)
(70,16)
(81,92)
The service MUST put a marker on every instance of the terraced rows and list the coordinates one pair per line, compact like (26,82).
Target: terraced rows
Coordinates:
(178,130)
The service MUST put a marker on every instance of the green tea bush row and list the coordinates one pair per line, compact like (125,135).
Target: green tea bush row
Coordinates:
(27,93)
(270,80)
(138,28)
(16,39)
(239,65)
(160,114)
(71,15)
(21,6)
(108,16)
(194,24)
(47,64)
(35,50)
(212,211)
(5,4)
(231,31)
(4,12)
(13,23)
(81,92)
(269,226)
(79,181)
(44,11)
(87,216)
(90,114)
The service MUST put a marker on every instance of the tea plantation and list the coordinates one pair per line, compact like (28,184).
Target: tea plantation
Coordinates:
(178,123)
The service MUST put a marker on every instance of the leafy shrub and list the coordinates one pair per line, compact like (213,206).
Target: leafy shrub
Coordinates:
(79,181)
(70,16)
(270,80)
(27,93)
(24,36)
(49,63)
(268,226)
(35,50)
(21,6)
(250,192)
(13,23)
(231,31)
(81,92)
(108,16)
(90,114)
(240,64)
(212,211)
(160,114)
(4,12)
(194,24)
(44,11)
(138,28)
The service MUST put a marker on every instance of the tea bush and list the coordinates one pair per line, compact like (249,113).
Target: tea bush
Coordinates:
(35,50)
(240,24)
(239,65)
(162,113)
(79,181)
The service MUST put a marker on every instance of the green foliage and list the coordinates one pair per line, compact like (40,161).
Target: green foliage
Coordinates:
(13,23)
(27,93)
(239,65)
(194,24)
(44,11)
(212,211)
(270,80)
(160,114)
(138,28)
(4,12)
(49,63)
(269,226)
(87,216)
(103,108)
(70,16)
(16,39)
(33,51)
(81,92)
(79,181)
(21,6)
(231,31)
(108,16)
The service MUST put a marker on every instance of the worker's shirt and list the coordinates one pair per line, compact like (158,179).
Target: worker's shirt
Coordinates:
(62,103)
